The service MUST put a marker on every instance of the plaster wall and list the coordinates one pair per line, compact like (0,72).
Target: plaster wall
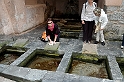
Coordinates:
(30,2)
(17,17)
(113,2)
(34,15)
(6,26)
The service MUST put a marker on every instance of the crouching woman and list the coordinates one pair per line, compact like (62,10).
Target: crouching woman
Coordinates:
(52,32)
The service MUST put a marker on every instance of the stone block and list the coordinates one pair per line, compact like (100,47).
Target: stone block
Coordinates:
(89,49)
(52,47)
(71,78)
(35,75)
(2,79)
(3,67)
(53,77)
(19,72)
(20,42)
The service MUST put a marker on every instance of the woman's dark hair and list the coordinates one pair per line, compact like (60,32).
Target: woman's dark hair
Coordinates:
(49,19)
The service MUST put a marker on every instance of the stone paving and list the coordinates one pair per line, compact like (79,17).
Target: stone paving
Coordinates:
(67,46)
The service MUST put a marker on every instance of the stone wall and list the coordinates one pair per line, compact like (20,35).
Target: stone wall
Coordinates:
(115,26)
(6,26)
(34,15)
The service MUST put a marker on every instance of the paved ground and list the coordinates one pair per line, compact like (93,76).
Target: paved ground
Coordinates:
(111,50)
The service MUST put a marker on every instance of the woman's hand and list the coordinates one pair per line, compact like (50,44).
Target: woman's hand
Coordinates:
(54,42)
(83,22)
(51,43)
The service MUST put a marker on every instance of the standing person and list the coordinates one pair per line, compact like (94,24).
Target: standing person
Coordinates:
(87,18)
(52,32)
(100,22)
(122,45)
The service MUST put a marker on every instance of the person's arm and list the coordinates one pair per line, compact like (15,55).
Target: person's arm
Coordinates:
(82,14)
(105,20)
(57,31)
(48,35)
(49,38)
(55,39)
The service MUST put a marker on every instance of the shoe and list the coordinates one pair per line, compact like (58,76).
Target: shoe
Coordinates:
(122,47)
(103,43)
(96,42)
(84,42)
(89,42)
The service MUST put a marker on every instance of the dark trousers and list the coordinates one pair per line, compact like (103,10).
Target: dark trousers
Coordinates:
(88,30)
(52,36)
(123,40)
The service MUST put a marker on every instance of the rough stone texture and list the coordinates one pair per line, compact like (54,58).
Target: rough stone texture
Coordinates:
(14,71)
(52,47)
(23,56)
(115,12)
(35,75)
(53,77)
(2,79)
(65,62)
(23,74)
(3,67)
(20,42)
(113,2)
(6,26)
(30,2)
(115,70)
(90,49)
(71,78)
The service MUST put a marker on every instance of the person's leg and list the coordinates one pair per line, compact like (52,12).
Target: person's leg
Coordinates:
(57,40)
(85,31)
(97,37)
(90,28)
(123,40)
(102,38)
(122,45)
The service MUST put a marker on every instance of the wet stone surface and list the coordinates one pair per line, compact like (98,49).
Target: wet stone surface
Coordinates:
(44,63)
(112,48)
(88,69)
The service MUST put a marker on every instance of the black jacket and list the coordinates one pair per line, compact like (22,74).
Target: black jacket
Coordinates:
(55,30)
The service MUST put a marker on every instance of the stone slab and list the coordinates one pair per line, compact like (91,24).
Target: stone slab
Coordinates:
(19,72)
(89,49)
(52,47)
(53,77)
(2,79)
(20,42)
(35,75)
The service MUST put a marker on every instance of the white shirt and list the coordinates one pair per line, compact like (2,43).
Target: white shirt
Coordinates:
(102,19)
(87,12)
